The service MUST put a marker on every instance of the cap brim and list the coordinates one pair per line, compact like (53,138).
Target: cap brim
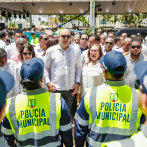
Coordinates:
(8,80)
(101,60)
(140,68)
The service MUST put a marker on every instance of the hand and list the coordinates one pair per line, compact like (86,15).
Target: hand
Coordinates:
(75,88)
(51,87)
(79,97)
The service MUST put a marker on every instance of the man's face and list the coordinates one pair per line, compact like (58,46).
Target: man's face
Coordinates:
(3,61)
(135,48)
(77,40)
(126,46)
(64,37)
(17,35)
(21,43)
(111,36)
(103,38)
(44,40)
(33,35)
(50,34)
(92,41)
(84,40)
(109,44)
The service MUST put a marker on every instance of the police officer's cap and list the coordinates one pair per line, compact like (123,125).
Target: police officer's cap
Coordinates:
(32,69)
(6,84)
(140,70)
(112,60)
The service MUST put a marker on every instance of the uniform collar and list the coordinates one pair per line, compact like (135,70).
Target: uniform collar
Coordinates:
(69,47)
(144,130)
(34,92)
(114,83)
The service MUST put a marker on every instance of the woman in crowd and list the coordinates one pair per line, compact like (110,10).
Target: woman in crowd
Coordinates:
(92,74)
(26,53)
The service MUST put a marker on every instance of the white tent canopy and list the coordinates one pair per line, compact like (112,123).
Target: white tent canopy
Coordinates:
(52,7)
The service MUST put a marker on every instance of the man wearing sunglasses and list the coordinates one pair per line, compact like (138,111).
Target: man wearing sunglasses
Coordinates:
(139,139)
(133,58)
(42,46)
(83,42)
(108,112)
(63,68)
(109,43)
(12,48)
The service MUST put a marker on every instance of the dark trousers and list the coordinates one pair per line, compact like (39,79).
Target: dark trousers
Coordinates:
(70,100)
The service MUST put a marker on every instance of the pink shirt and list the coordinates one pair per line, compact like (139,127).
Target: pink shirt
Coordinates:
(16,57)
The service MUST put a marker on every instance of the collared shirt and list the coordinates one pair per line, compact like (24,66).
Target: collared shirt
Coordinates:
(120,50)
(63,67)
(115,47)
(2,44)
(103,49)
(9,67)
(38,51)
(11,49)
(129,75)
(84,57)
(83,49)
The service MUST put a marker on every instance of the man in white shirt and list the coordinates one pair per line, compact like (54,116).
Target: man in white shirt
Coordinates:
(117,43)
(126,46)
(42,46)
(94,39)
(109,43)
(2,39)
(12,49)
(102,41)
(63,68)
(7,65)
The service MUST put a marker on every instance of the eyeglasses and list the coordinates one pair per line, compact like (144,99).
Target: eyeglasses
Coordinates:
(46,39)
(137,85)
(109,43)
(25,53)
(91,51)
(84,39)
(65,36)
(138,47)
(20,36)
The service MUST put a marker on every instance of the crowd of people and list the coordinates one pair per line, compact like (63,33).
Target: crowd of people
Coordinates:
(51,75)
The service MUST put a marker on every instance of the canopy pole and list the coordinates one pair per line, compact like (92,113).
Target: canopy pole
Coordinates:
(30,21)
(92,14)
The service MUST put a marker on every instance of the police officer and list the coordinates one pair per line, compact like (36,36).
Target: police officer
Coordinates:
(6,84)
(36,117)
(110,111)
(60,28)
(139,139)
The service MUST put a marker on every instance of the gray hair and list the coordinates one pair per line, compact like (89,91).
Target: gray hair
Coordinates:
(127,39)
(20,39)
(76,36)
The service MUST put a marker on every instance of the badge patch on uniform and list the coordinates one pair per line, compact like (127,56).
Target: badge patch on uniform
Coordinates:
(113,97)
(31,103)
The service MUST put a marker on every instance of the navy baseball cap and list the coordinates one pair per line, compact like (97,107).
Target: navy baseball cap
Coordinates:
(112,60)
(32,69)
(6,84)
(140,70)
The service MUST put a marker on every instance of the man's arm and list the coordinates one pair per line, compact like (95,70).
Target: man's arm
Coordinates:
(65,125)
(7,132)
(81,124)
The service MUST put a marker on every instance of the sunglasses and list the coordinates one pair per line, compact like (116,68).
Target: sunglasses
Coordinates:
(46,39)
(84,39)
(25,53)
(109,43)
(65,36)
(137,84)
(32,34)
(138,47)
(20,36)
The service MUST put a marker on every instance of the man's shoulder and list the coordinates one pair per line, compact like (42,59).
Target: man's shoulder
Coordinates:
(11,46)
(11,62)
(85,52)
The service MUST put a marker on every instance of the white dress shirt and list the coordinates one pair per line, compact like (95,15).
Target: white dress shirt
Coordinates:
(11,50)
(120,50)
(38,51)
(84,57)
(17,87)
(92,76)
(9,67)
(115,48)
(63,67)
(2,44)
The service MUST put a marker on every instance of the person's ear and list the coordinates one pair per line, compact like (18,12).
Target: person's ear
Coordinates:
(104,71)
(42,79)
(2,112)
(144,101)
